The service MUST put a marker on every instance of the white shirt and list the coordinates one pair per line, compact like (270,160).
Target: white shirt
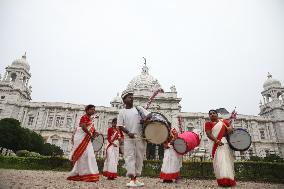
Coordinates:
(130,119)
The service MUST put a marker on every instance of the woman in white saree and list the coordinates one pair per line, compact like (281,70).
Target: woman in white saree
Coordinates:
(82,156)
(223,160)
(172,161)
(114,137)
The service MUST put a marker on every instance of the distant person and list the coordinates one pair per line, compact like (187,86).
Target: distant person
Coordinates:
(114,137)
(223,159)
(82,156)
(129,120)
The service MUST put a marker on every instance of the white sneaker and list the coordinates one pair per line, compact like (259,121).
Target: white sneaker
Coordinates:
(131,184)
(139,183)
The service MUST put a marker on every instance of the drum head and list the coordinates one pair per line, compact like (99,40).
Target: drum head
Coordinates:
(155,116)
(156,132)
(180,146)
(239,140)
(98,143)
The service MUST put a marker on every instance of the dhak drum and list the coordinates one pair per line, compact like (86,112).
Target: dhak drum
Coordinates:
(98,143)
(186,142)
(239,140)
(157,128)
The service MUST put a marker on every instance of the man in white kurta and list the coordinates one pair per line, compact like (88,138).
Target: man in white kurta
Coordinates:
(129,120)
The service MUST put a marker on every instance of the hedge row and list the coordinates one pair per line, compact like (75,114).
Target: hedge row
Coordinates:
(35,163)
(246,171)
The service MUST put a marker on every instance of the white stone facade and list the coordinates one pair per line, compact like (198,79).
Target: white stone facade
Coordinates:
(56,121)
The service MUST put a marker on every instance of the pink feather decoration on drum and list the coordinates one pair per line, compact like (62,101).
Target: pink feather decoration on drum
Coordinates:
(155,93)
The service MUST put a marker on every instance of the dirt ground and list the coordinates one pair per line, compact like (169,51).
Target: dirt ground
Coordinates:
(50,179)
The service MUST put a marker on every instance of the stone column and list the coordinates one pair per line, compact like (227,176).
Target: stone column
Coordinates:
(54,117)
(73,126)
(46,118)
(65,119)
(5,76)
(24,118)
(36,117)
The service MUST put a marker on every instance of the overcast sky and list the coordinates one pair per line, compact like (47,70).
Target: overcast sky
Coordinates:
(216,53)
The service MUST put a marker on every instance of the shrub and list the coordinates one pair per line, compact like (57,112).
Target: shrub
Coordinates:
(51,150)
(34,154)
(22,153)
(35,163)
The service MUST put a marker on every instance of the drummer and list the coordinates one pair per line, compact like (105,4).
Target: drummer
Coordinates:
(223,159)
(129,120)
(172,161)
(82,156)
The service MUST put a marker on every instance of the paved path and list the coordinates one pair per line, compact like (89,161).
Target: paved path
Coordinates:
(10,178)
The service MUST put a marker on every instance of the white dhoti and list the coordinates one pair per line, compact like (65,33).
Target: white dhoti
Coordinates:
(171,165)
(83,158)
(134,150)
(110,164)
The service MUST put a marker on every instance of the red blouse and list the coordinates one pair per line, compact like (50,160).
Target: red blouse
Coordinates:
(209,125)
(111,131)
(85,119)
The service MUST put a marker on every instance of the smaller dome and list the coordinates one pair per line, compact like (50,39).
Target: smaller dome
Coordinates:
(21,63)
(117,99)
(270,82)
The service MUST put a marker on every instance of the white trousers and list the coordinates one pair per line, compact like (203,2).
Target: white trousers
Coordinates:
(134,151)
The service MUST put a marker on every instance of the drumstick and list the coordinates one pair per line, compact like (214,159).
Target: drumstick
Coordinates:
(137,137)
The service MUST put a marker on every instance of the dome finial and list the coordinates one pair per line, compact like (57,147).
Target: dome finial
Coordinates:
(25,55)
(269,75)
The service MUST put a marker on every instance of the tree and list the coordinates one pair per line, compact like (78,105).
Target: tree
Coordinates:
(12,135)
(36,141)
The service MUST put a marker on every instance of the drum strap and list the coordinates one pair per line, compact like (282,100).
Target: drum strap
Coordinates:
(140,112)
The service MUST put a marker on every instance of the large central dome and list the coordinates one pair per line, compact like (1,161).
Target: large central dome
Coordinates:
(144,81)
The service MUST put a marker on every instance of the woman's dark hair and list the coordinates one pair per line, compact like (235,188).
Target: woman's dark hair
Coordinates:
(213,111)
(89,107)
(114,120)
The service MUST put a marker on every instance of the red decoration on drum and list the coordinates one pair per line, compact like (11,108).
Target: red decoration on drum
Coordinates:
(186,142)
(155,93)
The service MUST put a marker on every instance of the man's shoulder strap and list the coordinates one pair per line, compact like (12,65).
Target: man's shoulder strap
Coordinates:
(222,120)
(140,112)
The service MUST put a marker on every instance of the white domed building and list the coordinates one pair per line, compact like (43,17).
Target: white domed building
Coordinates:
(56,121)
